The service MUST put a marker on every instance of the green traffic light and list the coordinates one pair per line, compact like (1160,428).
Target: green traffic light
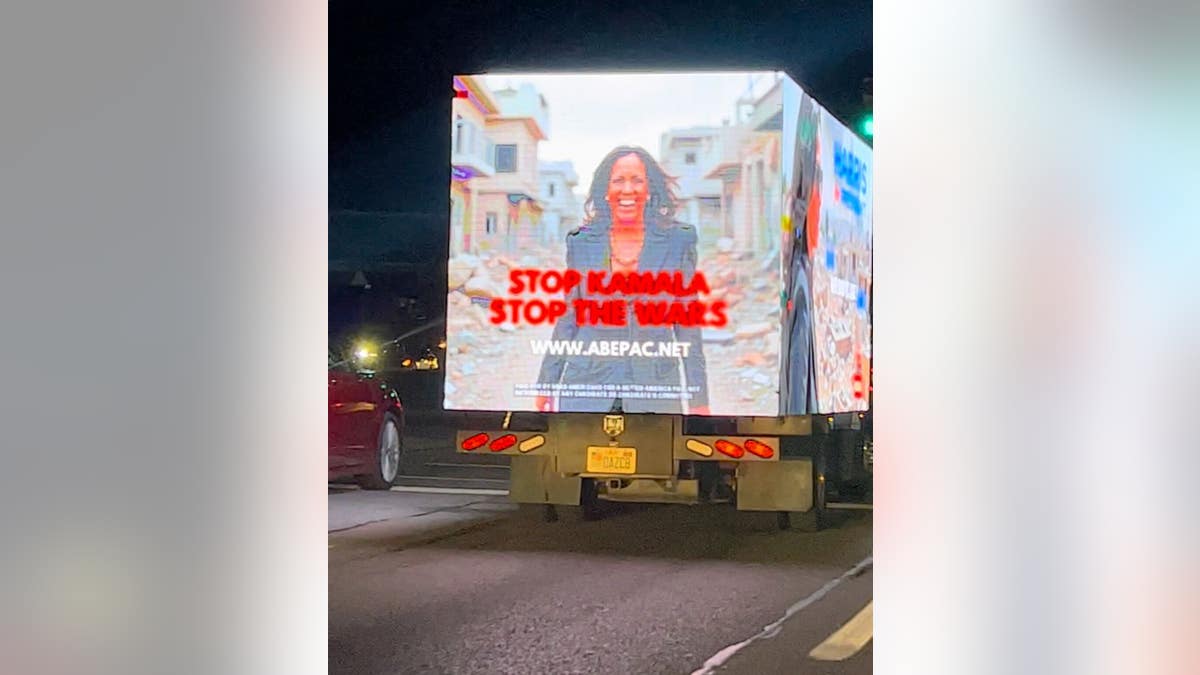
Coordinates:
(868,126)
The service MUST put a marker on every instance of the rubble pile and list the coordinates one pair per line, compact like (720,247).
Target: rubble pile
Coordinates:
(742,357)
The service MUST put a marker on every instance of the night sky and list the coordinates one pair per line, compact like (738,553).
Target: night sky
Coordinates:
(390,92)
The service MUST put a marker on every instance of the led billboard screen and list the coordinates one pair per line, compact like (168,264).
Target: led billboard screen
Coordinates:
(691,243)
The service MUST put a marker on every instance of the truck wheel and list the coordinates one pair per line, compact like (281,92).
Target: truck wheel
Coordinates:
(547,513)
(589,507)
(387,457)
(589,500)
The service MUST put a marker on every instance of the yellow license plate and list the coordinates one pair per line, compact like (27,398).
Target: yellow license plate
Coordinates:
(602,459)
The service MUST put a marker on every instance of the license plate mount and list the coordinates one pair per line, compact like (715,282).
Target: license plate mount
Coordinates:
(605,459)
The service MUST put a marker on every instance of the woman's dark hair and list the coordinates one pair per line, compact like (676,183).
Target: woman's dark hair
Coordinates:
(661,202)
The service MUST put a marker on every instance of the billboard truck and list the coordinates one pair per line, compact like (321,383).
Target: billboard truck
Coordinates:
(659,290)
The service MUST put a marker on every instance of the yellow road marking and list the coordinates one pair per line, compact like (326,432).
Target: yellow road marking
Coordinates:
(847,640)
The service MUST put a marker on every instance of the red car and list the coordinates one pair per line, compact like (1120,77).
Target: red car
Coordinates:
(366,427)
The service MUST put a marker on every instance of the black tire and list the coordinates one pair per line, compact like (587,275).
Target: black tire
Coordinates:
(378,479)
(547,513)
(589,508)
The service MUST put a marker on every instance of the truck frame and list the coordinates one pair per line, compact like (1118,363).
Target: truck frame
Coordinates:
(794,466)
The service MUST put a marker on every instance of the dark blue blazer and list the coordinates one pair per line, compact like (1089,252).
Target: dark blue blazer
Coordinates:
(668,246)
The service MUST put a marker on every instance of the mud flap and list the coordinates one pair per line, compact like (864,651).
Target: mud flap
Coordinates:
(775,486)
(533,480)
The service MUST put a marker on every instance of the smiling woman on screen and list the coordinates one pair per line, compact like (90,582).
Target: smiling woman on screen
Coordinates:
(630,227)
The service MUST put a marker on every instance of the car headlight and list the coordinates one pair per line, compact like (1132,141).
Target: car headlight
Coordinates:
(364,352)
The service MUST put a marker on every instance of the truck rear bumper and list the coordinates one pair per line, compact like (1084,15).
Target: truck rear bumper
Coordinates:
(550,467)
(650,490)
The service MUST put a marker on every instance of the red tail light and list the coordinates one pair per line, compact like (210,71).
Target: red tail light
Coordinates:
(730,448)
(503,443)
(474,442)
(759,449)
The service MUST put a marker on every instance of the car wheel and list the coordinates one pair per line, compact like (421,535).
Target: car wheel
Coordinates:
(387,456)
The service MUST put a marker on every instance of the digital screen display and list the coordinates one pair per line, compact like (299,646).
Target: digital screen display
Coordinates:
(693,243)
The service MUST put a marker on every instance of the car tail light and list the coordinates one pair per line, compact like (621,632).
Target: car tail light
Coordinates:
(532,443)
(730,448)
(759,449)
(503,443)
(474,442)
(703,449)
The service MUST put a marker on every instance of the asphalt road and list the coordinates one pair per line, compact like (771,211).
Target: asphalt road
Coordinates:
(647,589)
